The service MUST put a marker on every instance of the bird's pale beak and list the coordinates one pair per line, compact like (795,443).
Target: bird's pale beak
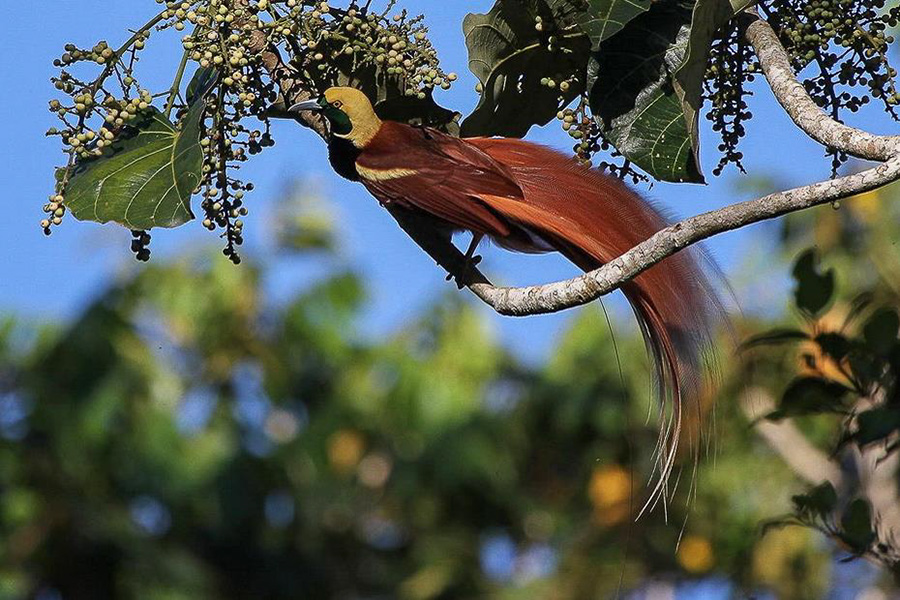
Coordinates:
(314,104)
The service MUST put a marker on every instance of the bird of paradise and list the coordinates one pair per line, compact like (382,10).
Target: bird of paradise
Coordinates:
(529,198)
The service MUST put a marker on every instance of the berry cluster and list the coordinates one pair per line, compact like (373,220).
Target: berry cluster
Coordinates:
(336,44)
(581,127)
(560,80)
(385,55)
(140,245)
(845,43)
(92,115)
(732,65)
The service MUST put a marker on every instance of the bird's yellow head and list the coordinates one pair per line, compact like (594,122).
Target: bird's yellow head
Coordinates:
(350,113)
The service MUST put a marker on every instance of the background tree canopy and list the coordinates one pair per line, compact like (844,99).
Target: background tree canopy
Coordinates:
(186,438)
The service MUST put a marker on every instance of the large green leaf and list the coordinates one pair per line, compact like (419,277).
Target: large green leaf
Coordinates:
(146,179)
(510,58)
(599,19)
(633,96)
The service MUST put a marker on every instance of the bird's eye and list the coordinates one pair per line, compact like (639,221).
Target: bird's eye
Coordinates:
(337,104)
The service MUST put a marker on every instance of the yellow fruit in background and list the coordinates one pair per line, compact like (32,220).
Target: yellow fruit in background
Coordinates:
(610,491)
(345,449)
(695,554)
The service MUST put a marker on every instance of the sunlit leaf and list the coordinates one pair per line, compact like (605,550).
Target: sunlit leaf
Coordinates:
(146,179)
(599,19)
(707,18)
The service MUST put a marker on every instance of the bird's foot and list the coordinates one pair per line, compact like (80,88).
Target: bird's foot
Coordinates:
(463,276)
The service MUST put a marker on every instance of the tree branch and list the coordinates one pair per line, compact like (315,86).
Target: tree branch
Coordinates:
(790,93)
(420,228)
(807,461)
(285,77)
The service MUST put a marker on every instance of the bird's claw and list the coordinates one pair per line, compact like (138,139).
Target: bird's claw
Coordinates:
(463,276)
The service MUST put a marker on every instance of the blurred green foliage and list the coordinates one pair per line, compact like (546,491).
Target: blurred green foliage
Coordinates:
(186,438)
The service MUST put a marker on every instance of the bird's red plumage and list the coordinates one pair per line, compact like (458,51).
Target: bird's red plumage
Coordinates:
(529,197)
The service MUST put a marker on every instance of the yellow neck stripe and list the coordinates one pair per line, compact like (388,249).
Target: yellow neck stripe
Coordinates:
(383,174)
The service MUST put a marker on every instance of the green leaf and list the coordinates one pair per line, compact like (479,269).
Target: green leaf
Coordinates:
(857,306)
(810,396)
(814,289)
(599,19)
(819,501)
(880,331)
(633,97)
(707,18)
(510,57)
(201,83)
(866,369)
(876,424)
(775,337)
(834,345)
(856,525)
(146,179)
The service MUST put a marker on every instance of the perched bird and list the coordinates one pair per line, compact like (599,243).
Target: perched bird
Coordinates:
(529,198)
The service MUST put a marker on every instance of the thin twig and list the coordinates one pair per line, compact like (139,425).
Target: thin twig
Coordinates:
(176,85)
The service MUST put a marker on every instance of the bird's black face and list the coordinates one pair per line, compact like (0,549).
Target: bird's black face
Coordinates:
(340,122)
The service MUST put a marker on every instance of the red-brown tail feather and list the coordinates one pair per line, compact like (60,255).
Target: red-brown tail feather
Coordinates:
(591,219)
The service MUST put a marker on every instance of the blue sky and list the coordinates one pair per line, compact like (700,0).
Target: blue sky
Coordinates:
(55,278)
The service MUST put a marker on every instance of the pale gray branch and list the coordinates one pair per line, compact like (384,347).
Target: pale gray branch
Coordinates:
(807,461)
(285,76)
(877,472)
(790,93)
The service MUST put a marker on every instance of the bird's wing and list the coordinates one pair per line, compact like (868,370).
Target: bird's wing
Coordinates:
(438,174)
